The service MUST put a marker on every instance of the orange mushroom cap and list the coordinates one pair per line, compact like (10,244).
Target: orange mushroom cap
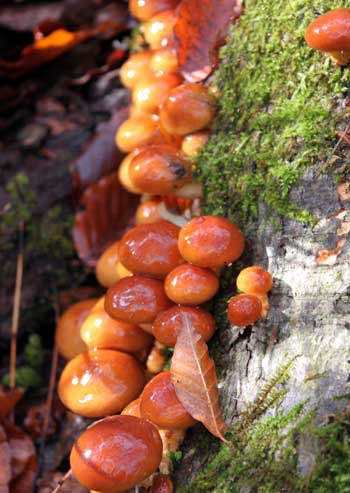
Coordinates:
(254,280)
(330,32)
(244,309)
(160,404)
(151,249)
(116,453)
(145,9)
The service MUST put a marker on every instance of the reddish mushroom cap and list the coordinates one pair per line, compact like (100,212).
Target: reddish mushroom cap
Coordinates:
(244,309)
(330,32)
(116,453)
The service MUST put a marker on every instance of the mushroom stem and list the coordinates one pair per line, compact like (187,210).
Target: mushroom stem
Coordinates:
(341,58)
(191,190)
(169,216)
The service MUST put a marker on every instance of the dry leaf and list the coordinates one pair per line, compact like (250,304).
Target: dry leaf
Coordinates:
(48,48)
(198,42)
(8,400)
(329,257)
(100,156)
(109,210)
(343,190)
(5,462)
(194,377)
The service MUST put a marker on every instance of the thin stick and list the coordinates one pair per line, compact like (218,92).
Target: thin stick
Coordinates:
(16,305)
(61,481)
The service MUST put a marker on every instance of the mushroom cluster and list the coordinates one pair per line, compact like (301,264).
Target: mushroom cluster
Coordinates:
(158,275)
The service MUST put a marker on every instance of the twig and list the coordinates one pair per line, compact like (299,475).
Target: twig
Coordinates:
(61,481)
(16,306)
(334,150)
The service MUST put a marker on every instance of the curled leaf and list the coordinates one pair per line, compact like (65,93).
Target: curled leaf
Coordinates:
(48,48)
(194,377)
(198,42)
(108,211)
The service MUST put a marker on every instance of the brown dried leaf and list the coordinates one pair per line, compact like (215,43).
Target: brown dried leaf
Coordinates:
(194,377)
(100,156)
(109,210)
(48,48)
(343,190)
(198,42)
(5,462)
(329,257)
(8,400)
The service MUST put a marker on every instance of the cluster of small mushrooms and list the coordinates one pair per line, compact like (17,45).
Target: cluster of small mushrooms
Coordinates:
(158,272)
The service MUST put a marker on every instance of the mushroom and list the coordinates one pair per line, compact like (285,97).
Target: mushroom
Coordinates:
(116,453)
(159,404)
(145,9)
(148,212)
(169,323)
(101,382)
(68,340)
(164,61)
(136,299)
(151,249)
(100,331)
(137,66)
(108,268)
(158,30)
(150,91)
(192,143)
(330,33)
(138,131)
(191,285)
(123,172)
(211,241)
(254,280)
(159,170)
(187,109)
(244,309)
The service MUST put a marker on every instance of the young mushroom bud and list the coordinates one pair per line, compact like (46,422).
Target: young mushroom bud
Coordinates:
(169,323)
(68,340)
(100,382)
(148,212)
(244,309)
(116,453)
(192,143)
(191,285)
(136,67)
(133,408)
(187,109)
(254,280)
(123,173)
(100,331)
(107,270)
(158,30)
(151,249)
(211,241)
(136,299)
(164,61)
(150,92)
(160,404)
(330,33)
(138,131)
(162,484)
(145,9)
(159,170)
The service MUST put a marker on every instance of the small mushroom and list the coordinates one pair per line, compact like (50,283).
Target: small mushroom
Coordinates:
(244,309)
(330,33)
(254,280)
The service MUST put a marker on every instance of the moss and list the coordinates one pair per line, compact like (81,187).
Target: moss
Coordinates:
(263,454)
(278,111)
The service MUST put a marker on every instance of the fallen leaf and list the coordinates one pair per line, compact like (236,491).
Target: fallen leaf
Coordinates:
(329,257)
(8,400)
(100,155)
(343,190)
(198,42)
(109,210)
(48,48)
(194,377)
(5,462)
(21,447)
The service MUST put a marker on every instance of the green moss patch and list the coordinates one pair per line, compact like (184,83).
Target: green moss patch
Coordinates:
(278,110)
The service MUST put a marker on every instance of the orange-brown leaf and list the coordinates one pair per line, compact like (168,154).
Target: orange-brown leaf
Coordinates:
(48,48)
(194,377)
(8,400)
(198,42)
(108,211)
